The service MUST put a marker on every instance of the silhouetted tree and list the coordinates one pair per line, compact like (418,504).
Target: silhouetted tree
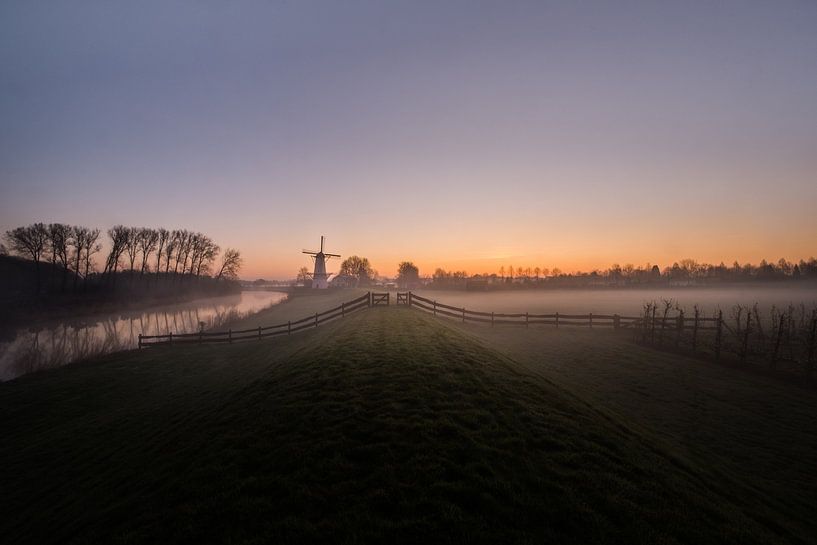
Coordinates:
(30,241)
(148,239)
(162,238)
(230,264)
(303,276)
(358,267)
(407,274)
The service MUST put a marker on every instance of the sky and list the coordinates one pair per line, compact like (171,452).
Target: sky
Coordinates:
(464,135)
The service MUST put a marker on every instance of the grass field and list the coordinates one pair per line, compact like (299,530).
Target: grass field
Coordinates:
(391,426)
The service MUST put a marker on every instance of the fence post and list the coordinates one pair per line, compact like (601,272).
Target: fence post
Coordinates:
(230,335)
(409,299)
(316,319)
(773,362)
(652,328)
(369,295)
(695,331)
(140,341)
(342,310)
(557,320)
(388,298)
(435,308)
(745,347)
(200,336)
(289,327)
(719,335)
(811,341)
(171,338)
(259,333)
(616,321)
(680,328)
(492,319)
(526,319)
(463,314)
(591,319)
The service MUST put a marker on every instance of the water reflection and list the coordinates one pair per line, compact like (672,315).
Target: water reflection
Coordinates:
(54,344)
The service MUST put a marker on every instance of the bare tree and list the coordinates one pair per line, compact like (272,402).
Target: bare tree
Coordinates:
(77,240)
(30,241)
(132,242)
(170,249)
(162,236)
(58,235)
(148,240)
(119,236)
(90,248)
(303,276)
(230,264)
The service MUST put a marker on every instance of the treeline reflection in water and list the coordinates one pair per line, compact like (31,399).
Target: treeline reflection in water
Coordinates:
(54,344)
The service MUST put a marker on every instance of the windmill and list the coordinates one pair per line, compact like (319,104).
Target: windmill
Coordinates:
(320,277)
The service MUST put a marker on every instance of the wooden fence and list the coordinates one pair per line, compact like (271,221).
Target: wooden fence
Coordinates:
(260,332)
(526,319)
(786,346)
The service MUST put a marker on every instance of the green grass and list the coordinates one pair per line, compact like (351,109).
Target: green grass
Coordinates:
(388,426)
(753,434)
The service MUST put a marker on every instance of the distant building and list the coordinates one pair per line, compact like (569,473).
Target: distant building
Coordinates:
(344,281)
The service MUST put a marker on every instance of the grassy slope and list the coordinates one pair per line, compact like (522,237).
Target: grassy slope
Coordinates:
(386,426)
(755,435)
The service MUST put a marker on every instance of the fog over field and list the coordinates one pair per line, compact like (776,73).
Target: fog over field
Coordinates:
(625,301)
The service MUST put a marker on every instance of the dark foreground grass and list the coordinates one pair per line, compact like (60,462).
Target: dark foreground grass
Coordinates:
(386,427)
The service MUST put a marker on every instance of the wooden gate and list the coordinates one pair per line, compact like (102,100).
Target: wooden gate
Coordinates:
(380,299)
(402,298)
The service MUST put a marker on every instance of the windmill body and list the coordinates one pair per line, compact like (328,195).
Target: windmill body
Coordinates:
(320,278)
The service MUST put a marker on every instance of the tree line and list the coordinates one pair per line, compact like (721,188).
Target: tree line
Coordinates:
(141,253)
(684,271)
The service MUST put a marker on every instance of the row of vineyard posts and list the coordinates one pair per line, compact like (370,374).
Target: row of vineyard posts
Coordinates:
(783,340)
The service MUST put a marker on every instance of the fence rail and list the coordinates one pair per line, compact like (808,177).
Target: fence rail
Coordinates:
(795,347)
(787,346)
(557,319)
(261,332)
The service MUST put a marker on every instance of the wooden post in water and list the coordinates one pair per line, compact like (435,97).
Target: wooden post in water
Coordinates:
(719,335)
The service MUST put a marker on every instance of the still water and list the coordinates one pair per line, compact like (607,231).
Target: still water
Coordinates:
(53,344)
